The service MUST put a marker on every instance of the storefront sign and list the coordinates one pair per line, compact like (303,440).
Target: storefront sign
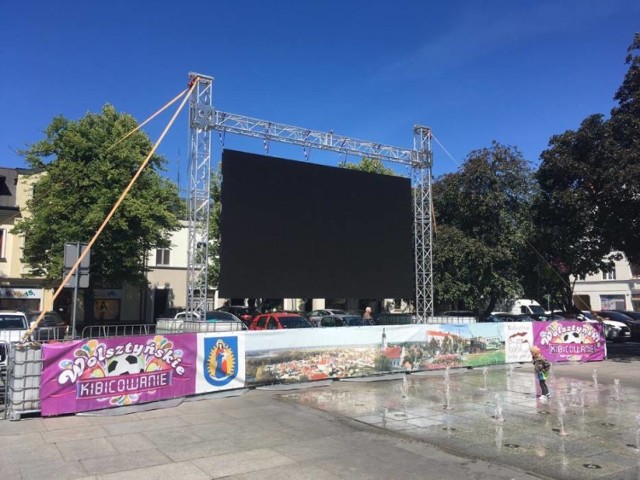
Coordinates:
(27,293)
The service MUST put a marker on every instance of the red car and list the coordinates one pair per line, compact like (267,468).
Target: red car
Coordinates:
(279,321)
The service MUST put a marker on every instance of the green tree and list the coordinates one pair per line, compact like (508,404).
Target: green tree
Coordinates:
(483,222)
(623,223)
(572,207)
(371,165)
(588,204)
(79,178)
(382,363)
(213,270)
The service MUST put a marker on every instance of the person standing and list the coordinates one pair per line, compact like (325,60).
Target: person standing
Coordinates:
(367,314)
(542,367)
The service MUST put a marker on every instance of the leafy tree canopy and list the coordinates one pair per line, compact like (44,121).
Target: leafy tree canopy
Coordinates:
(371,165)
(78,179)
(624,194)
(483,217)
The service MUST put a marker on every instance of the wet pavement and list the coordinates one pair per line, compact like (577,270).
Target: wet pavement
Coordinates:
(590,428)
(477,424)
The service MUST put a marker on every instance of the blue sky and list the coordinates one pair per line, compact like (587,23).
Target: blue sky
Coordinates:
(474,71)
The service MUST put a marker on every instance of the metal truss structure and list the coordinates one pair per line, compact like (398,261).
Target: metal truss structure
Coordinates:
(203,118)
(199,207)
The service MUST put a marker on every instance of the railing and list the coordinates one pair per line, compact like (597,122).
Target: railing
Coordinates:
(107,331)
(217,326)
(169,325)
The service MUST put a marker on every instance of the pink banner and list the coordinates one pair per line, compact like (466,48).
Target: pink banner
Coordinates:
(570,341)
(94,374)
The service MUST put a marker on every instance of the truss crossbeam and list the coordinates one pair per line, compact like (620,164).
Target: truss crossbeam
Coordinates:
(252,127)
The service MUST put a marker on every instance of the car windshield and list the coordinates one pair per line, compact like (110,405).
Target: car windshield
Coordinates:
(11,322)
(620,317)
(294,322)
(537,309)
(336,312)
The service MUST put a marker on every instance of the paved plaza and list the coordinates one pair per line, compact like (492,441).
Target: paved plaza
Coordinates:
(478,424)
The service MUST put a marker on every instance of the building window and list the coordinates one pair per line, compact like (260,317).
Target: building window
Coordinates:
(163,256)
(635,270)
(609,274)
(612,302)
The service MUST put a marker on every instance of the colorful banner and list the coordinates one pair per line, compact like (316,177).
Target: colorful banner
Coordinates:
(518,341)
(94,374)
(220,361)
(570,341)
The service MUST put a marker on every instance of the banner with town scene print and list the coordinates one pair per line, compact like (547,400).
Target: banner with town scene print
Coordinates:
(285,356)
(94,374)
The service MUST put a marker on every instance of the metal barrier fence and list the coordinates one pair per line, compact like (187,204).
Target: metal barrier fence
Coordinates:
(169,325)
(107,331)
(179,325)
(218,326)
(447,319)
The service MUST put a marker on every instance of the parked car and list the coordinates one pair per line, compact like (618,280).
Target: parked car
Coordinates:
(394,319)
(619,320)
(330,321)
(13,325)
(51,327)
(242,312)
(613,315)
(279,321)
(634,324)
(343,321)
(315,315)
(613,330)
(507,317)
(215,321)
(546,317)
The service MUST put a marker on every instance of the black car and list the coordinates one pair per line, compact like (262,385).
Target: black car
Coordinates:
(343,321)
(629,318)
(243,313)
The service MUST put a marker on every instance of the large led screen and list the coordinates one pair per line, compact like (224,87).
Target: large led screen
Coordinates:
(293,229)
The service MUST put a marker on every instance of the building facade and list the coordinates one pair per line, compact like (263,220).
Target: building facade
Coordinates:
(614,289)
(18,291)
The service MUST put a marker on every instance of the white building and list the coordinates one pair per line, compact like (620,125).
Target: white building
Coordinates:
(615,289)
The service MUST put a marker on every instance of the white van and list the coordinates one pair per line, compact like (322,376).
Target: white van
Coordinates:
(519,306)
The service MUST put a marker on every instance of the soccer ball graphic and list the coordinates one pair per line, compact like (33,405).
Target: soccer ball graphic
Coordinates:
(571,337)
(125,364)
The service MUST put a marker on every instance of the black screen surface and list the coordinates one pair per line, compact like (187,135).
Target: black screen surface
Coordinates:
(293,229)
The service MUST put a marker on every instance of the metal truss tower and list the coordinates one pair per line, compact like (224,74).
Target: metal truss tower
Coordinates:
(200,124)
(422,222)
(203,118)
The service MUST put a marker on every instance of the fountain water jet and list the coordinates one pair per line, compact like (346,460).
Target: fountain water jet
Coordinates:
(617,392)
(485,370)
(497,414)
(447,391)
(561,414)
